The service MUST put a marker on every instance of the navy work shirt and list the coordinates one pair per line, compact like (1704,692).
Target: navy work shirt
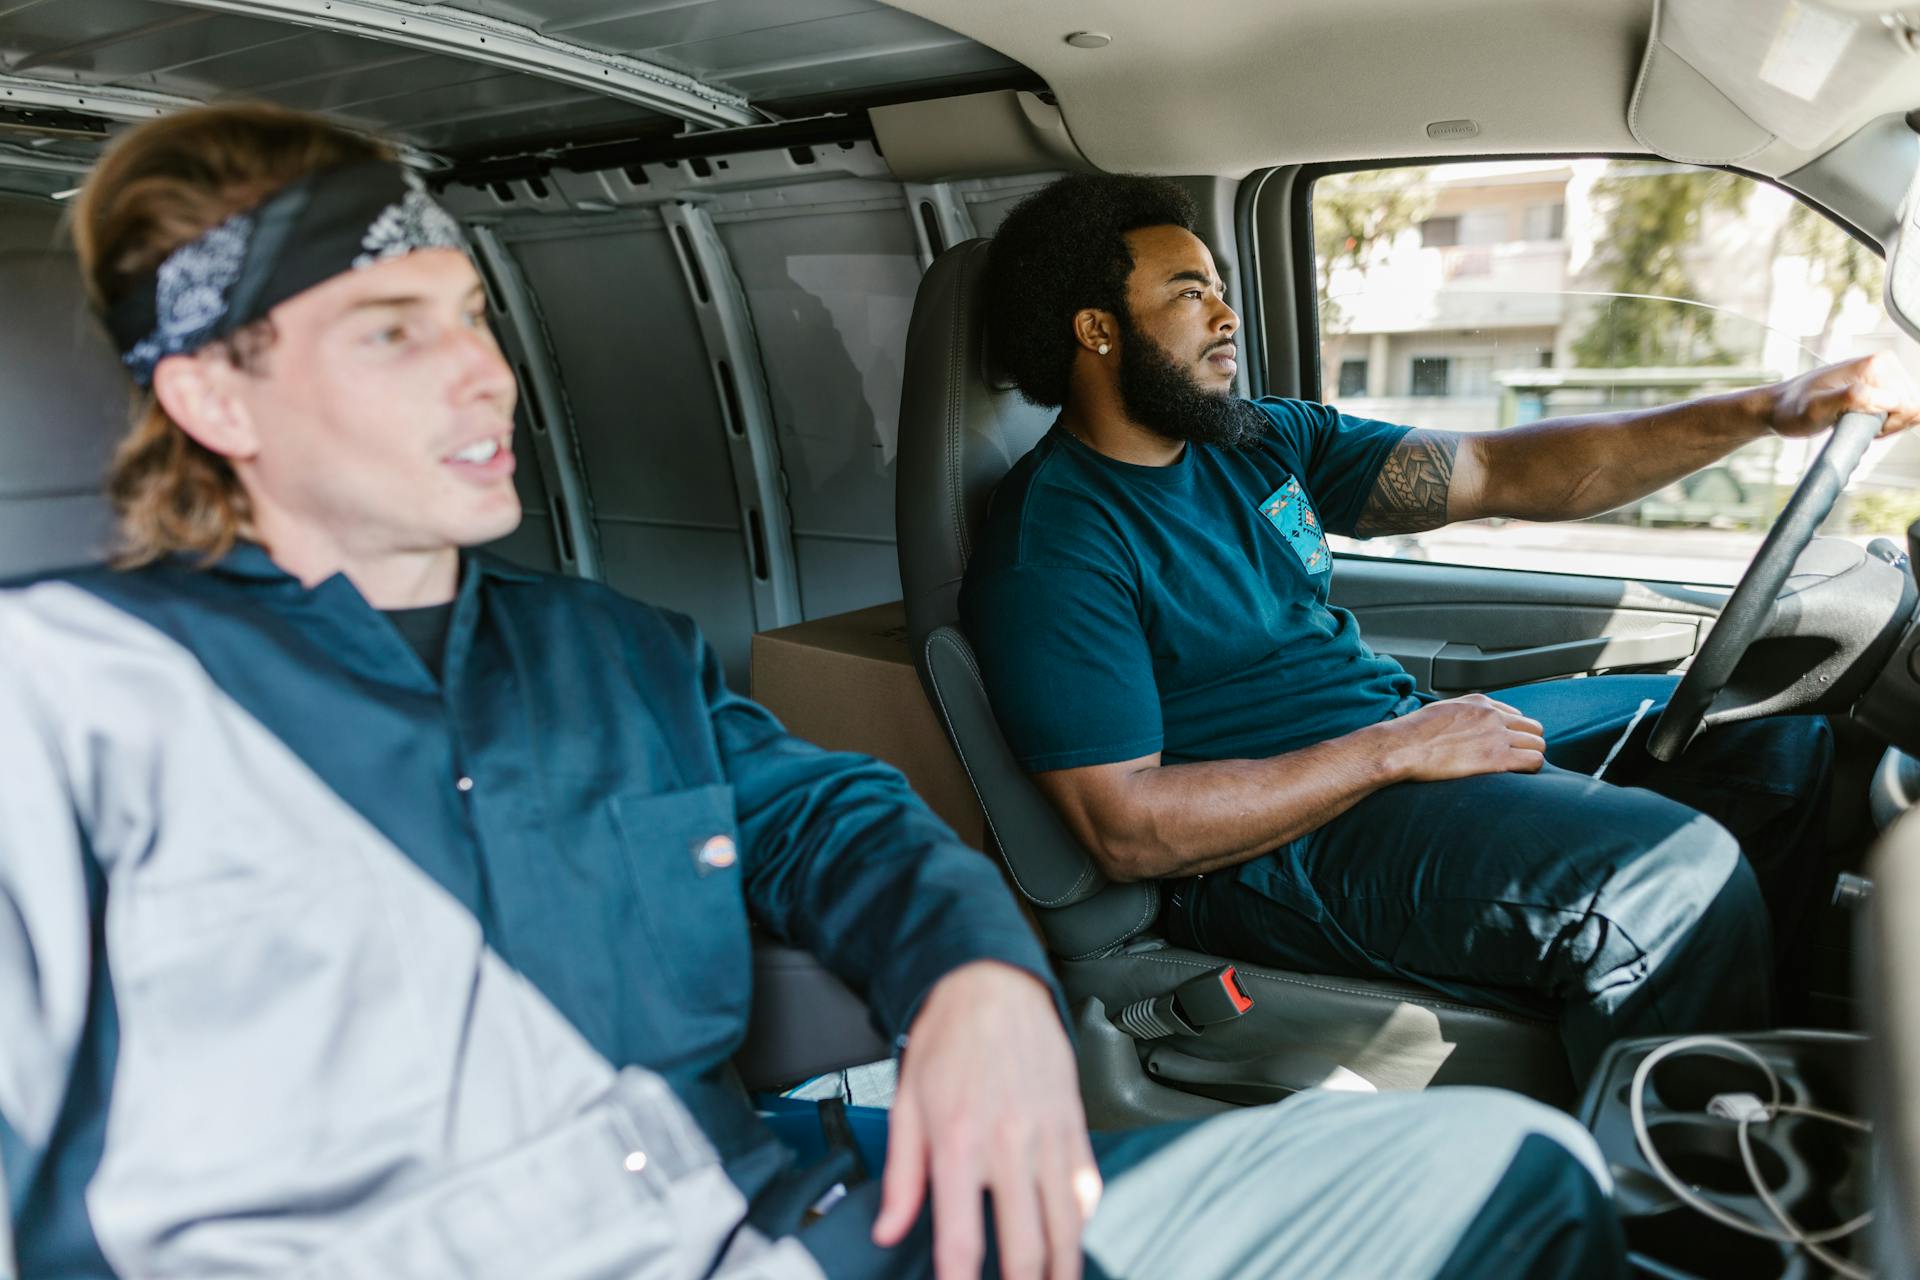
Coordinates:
(582,781)
(1119,610)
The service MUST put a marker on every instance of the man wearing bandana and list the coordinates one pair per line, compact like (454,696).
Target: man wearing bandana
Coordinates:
(370,907)
(1150,607)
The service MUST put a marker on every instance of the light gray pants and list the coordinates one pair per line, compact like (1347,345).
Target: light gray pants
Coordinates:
(1329,1186)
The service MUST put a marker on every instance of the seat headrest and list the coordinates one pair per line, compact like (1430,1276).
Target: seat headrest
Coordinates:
(962,426)
(63,408)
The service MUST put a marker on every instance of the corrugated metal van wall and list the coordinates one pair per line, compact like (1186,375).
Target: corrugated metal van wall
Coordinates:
(826,257)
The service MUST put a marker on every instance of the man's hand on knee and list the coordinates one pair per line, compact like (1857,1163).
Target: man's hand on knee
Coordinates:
(1462,737)
(989,1101)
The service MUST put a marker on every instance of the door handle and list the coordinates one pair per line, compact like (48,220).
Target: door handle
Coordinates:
(1467,666)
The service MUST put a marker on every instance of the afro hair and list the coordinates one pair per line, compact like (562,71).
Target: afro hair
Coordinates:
(1061,250)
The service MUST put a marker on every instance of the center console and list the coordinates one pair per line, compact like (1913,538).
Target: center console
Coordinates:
(1817,1170)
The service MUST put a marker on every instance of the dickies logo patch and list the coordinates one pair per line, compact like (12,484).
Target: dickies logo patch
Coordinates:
(1288,511)
(716,853)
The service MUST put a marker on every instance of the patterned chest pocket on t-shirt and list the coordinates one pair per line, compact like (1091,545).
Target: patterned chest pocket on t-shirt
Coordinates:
(1288,511)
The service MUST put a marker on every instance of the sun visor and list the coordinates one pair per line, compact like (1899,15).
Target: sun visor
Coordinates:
(975,136)
(1724,78)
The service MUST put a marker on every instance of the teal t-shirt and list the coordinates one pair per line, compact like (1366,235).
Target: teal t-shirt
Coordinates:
(1119,610)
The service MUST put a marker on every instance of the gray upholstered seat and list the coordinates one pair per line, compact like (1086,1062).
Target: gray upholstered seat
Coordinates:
(63,406)
(961,428)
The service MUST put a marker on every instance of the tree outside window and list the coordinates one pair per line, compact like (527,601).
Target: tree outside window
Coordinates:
(1356,218)
(1649,220)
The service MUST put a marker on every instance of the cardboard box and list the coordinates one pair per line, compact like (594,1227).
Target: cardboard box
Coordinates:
(848,683)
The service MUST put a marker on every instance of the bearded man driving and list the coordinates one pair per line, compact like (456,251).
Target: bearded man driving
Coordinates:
(1150,606)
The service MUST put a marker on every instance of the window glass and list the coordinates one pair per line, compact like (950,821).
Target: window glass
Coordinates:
(1545,221)
(1429,377)
(1484,226)
(1481,296)
(1438,233)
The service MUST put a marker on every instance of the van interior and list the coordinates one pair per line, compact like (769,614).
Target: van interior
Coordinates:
(733,249)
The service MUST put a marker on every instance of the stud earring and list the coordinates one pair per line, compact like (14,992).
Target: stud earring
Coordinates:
(1103,348)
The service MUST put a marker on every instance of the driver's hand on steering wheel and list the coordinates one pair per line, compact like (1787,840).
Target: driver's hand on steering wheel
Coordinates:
(1815,400)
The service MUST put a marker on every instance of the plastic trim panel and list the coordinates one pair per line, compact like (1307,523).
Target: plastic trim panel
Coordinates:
(550,416)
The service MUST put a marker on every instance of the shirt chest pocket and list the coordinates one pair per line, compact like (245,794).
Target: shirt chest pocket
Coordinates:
(682,852)
(1292,516)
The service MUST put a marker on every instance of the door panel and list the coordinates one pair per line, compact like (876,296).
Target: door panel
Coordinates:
(1459,629)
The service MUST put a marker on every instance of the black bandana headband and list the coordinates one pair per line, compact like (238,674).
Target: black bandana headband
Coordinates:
(326,223)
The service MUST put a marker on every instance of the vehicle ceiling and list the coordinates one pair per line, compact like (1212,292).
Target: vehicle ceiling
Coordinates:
(1225,88)
(727,62)
(1220,88)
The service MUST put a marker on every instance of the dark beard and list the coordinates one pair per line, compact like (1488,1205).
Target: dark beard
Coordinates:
(1162,397)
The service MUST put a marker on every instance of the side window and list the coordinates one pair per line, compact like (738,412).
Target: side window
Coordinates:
(1482,296)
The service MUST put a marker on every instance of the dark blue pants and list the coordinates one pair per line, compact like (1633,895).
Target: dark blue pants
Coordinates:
(1623,907)
(1441,1185)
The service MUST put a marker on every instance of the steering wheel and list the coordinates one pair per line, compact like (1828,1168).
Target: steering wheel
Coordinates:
(1748,608)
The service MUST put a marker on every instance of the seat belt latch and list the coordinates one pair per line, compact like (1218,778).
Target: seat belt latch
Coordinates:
(1211,998)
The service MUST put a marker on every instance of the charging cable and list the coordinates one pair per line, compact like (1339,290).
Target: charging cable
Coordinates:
(1646,705)
(1745,1109)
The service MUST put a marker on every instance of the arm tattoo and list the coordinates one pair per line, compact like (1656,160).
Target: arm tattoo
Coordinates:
(1411,492)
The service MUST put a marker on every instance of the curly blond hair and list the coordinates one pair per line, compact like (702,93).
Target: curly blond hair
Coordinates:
(157,187)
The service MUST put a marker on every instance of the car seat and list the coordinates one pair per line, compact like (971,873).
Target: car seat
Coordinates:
(1160,1028)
